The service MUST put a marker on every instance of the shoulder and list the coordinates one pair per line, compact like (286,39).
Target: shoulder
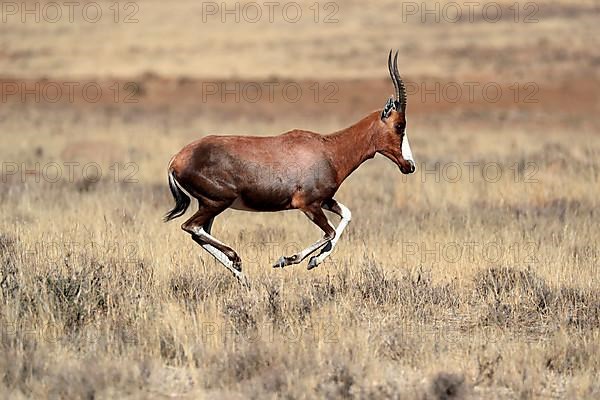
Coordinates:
(302,134)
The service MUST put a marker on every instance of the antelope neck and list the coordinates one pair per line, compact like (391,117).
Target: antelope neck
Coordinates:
(352,146)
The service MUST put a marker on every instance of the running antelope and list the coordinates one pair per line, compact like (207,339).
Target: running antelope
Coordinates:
(253,174)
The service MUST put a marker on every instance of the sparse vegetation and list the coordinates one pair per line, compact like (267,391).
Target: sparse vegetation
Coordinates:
(439,289)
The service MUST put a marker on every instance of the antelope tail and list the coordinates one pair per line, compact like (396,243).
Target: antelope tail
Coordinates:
(182,201)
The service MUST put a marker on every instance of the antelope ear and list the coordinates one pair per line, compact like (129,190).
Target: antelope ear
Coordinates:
(389,106)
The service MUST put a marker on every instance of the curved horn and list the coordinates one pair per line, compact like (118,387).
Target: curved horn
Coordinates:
(393,76)
(400,88)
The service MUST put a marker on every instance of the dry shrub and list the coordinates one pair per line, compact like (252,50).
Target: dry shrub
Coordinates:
(499,282)
(344,381)
(318,292)
(585,252)
(520,297)
(20,366)
(172,350)
(332,287)
(387,390)
(414,291)
(241,314)
(246,362)
(570,357)
(375,286)
(487,366)
(301,308)
(447,386)
(13,288)
(269,383)
(512,296)
(80,291)
(273,302)
(78,294)
(572,352)
(338,383)
(191,288)
(77,297)
(577,307)
(31,370)
(280,311)
(93,378)
(398,341)
(8,271)
(553,209)
(7,242)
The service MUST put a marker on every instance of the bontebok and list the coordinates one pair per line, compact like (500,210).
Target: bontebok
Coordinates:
(254,174)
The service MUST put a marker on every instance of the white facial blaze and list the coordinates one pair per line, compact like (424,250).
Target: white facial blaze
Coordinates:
(406,152)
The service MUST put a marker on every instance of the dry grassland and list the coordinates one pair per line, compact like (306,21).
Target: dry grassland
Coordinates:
(483,285)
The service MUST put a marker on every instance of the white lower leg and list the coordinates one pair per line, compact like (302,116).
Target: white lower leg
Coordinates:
(327,250)
(306,252)
(221,257)
(300,256)
(218,254)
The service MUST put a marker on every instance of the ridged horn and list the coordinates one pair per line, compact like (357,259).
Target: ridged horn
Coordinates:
(393,76)
(399,84)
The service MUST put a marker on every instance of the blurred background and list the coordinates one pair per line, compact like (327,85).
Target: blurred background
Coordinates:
(189,68)
(101,299)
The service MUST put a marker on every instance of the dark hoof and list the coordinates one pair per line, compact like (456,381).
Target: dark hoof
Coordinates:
(285,261)
(312,263)
(282,262)
(237,265)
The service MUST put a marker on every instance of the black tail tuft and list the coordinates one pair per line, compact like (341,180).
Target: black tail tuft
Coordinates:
(182,201)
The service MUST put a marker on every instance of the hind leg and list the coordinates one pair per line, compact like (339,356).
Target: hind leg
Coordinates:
(199,226)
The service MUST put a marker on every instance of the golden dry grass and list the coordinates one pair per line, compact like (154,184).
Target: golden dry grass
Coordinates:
(440,288)
(493,285)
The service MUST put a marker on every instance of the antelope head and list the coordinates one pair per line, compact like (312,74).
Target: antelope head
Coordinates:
(392,140)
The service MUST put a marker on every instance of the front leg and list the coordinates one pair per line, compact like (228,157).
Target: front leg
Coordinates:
(342,211)
(316,215)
